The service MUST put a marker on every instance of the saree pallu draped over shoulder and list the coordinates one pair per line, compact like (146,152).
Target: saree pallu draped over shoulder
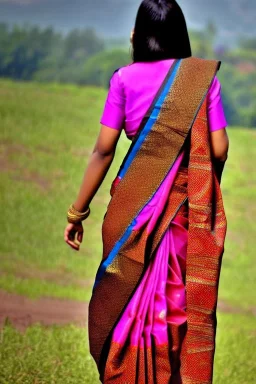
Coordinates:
(152,315)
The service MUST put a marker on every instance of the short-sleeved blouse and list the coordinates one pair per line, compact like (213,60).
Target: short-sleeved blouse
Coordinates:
(133,88)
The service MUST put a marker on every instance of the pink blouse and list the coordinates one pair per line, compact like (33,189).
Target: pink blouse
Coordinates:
(133,88)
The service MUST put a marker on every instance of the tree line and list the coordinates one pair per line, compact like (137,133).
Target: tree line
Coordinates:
(83,57)
(31,53)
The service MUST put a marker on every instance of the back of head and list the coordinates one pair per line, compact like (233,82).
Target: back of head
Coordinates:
(160,32)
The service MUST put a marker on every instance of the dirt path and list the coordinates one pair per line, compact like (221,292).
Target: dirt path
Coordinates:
(23,312)
(228,308)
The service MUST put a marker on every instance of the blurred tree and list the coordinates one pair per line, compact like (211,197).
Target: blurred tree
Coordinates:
(80,44)
(211,32)
(66,62)
(202,41)
(23,49)
(247,43)
(82,57)
(99,68)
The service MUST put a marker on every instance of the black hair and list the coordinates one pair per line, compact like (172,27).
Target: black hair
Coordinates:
(160,32)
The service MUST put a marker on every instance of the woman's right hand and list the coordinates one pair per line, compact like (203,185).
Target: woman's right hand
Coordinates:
(73,235)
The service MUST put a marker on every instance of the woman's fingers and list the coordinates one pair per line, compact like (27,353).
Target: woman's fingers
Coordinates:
(70,235)
(73,245)
(80,236)
(70,240)
(67,233)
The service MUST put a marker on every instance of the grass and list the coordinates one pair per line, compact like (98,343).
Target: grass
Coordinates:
(47,134)
(35,288)
(237,283)
(60,354)
(235,352)
(63,351)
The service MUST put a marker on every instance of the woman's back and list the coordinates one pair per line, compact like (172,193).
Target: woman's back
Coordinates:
(133,88)
(164,230)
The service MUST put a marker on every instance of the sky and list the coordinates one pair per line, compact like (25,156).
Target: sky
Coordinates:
(115,18)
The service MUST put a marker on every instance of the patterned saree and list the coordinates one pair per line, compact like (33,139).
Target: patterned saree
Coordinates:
(152,315)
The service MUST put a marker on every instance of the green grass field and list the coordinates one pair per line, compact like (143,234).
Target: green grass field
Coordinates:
(47,133)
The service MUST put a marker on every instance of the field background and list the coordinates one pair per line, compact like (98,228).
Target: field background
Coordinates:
(47,134)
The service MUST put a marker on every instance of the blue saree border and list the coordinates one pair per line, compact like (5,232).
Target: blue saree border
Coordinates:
(154,115)
(143,135)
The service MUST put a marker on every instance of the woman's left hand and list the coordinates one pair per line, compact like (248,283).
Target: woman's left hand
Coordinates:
(72,233)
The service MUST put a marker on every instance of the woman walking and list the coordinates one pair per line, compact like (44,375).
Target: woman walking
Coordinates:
(152,315)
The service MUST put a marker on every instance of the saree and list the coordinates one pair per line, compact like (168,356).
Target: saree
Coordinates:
(152,314)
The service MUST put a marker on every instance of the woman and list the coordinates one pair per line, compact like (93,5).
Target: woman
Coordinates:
(152,315)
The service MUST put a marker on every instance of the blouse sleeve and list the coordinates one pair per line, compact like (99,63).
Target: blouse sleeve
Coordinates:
(114,111)
(216,115)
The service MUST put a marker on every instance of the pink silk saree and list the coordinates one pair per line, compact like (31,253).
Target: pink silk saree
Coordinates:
(152,315)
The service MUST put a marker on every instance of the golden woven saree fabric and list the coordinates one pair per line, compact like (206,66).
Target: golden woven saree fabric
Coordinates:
(183,112)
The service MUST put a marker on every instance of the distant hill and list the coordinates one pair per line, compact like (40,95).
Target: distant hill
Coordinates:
(115,18)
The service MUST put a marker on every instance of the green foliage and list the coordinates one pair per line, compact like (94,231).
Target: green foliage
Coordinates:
(248,43)
(239,92)
(23,49)
(202,41)
(67,65)
(82,57)
(237,74)
(99,68)
(32,53)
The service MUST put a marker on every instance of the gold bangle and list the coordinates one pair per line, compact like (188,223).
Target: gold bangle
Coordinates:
(74,216)
(78,213)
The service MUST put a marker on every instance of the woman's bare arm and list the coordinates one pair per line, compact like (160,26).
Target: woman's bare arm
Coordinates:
(220,147)
(99,163)
(220,144)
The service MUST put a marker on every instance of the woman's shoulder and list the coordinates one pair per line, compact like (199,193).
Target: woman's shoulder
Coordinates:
(215,88)
(117,77)
(130,74)
(126,70)
(125,76)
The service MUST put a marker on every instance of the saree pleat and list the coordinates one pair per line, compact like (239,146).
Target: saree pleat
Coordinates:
(156,310)
(152,315)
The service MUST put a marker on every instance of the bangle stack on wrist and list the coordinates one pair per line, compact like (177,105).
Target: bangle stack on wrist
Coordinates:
(75,217)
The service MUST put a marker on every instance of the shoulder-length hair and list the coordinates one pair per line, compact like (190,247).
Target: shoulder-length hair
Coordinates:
(160,32)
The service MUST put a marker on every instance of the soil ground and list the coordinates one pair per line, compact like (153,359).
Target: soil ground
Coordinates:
(23,312)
